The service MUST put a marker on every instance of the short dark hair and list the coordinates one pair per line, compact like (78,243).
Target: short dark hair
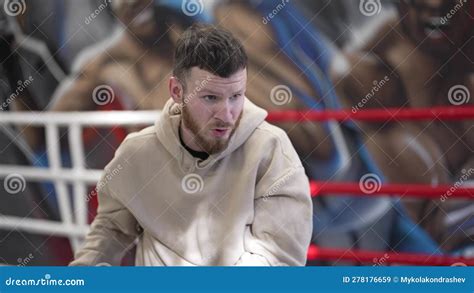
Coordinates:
(210,48)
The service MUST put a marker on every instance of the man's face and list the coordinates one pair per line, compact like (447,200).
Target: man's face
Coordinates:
(432,23)
(212,108)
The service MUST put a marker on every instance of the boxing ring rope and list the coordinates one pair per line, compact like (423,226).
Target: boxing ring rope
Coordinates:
(73,224)
(387,189)
(412,190)
(74,220)
(363,256)
(375,115)
(384,258)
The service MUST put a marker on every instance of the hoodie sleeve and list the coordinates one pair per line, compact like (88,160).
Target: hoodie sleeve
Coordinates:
(112,232)
(281,230)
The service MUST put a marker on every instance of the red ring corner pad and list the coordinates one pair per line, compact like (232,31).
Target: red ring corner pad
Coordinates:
(384,258)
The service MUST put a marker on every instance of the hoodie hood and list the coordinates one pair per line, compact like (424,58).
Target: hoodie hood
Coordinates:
(167,127)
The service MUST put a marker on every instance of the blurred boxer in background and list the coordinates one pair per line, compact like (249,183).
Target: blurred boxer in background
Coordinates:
(426,54)
(134,63)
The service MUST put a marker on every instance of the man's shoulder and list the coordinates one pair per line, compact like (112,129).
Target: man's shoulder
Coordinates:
(138,140)
(273,141)
(273,146)
(269,132)
(145,133)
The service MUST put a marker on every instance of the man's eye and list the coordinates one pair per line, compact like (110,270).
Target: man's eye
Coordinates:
(210,98)
(236,96)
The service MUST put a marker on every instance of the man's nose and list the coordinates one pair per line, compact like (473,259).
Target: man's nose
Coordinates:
(224,112)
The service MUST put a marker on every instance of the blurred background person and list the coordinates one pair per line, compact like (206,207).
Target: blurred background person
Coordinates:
(425,52)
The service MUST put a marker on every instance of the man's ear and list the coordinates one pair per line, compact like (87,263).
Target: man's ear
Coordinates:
(176,89)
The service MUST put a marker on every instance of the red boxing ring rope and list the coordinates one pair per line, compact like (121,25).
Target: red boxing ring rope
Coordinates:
(412,190)
(387,114)
(375,257)
(362,256)
(383,258)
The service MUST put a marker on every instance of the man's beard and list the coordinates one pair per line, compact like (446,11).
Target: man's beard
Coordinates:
(210,146)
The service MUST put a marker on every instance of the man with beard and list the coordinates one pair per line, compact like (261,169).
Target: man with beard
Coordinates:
(426,56)
(211,183)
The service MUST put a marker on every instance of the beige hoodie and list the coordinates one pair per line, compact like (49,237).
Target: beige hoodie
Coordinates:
(248,205)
